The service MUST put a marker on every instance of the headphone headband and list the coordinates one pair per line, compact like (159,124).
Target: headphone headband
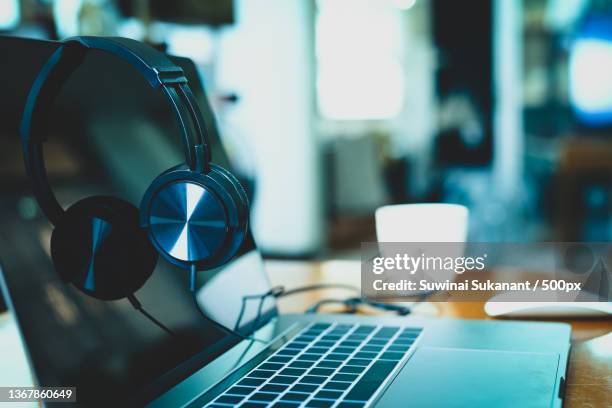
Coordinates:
(157,69)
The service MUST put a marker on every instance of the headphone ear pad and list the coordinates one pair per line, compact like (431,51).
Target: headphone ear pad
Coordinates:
(237,191)
(99,247)
(234,181)
(237,202)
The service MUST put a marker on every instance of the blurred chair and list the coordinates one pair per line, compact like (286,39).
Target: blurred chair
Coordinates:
(585,167)
(355,188)
(357,177)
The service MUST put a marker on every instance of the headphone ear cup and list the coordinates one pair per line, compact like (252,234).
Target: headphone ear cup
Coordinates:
(99,247)
(238,203)
(235,184)
(196,218)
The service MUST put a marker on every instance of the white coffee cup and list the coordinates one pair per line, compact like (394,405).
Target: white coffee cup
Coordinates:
(423,226)
(435,222)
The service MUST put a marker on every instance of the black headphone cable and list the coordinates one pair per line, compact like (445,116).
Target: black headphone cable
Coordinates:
(192,288)
(138,306)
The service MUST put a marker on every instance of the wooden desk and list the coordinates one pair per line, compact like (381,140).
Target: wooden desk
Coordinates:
(589,380)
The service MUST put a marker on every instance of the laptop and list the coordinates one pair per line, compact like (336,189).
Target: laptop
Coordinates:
(113,355)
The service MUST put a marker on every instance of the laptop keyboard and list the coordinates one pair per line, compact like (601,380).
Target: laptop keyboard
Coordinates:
(325,365)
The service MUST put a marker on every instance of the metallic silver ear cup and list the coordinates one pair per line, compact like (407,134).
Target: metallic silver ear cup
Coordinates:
(187,221)
(195,218)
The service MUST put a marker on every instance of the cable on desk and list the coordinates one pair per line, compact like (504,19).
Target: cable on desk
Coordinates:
(280,291)
(353,303)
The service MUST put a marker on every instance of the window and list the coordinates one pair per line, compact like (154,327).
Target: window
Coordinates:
(359,59)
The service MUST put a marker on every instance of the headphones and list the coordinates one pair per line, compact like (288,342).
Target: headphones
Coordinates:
(195,215)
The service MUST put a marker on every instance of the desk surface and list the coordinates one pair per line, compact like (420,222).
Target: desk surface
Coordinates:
(589,380)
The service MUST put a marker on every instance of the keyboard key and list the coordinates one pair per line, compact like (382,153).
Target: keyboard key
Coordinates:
(398,349)
(313,379)
(335,357)
(279,359)
(283,379)
(317,350)
(371,380)
(320,326)
(329,364)
(294,396)
(343,350)
(328,394)
(261,374)
(274,388)
(344,377)
(301,364)
(413,329)
(297,345)
(293,371)
(334,385)
(386,332)
(263,396)
(284,404)
(300,387)
(352,344)
(315,403)
(391,356)
(321,371)
(365,329)
(359,362)
(252,382)
(365,354)
(309,357)
(324,343)
(331,337)
(240,390)
(352,369)
(410,331)
(408,336)
(288,352)
(357,337)
(377,342)
(250,404)
(271,366)
(229,399)
(350,405)
(373,349)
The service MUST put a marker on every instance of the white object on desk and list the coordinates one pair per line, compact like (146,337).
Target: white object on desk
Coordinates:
(547,309)
(432,222)
(424,224)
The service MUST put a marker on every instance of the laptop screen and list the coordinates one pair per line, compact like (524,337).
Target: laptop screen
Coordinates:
(109,134)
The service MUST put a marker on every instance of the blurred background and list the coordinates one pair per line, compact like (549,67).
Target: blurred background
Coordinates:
(332,108)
